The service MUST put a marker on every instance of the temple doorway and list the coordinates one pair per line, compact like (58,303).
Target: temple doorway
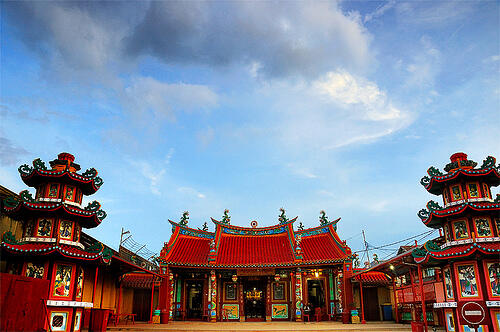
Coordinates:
(254,290)
(194,299)
(316,294)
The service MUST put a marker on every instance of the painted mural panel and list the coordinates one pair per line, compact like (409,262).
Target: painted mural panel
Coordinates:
(62,282)
(79,284)
(232,310)
(58,321)
(482,227)
(448,284)
(65,229)
(460,229)
(280,311)
(450,322)
(467,280)
(44,227)
(493,270)
(35,270)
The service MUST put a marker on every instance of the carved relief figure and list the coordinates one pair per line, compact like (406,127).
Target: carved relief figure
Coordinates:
(494,278)
(44,227)
(460,230)
(62,282)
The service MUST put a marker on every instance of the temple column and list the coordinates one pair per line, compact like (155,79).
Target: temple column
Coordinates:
(212,296)
(163,296)
(362,302)
(171,296)
(268,299)
(396,313)
(347,296)
(298,296)
(422,296)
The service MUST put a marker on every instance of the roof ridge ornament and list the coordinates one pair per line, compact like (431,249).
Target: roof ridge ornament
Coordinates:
(282,217)
(488,162)
(185,218)
(301,226)
(433,171)
(226,219)
(39,164)
(323,219)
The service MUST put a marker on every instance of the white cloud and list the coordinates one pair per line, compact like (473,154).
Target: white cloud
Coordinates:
(301,171)
(425,65)
(146,95)
(379,11)
(191,192)
(152,174)
(346,90)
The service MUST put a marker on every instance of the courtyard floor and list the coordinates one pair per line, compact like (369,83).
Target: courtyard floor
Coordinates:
(265,326)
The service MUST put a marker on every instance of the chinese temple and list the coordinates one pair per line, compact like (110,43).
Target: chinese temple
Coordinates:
(468,251)
(256,273)
(53,273)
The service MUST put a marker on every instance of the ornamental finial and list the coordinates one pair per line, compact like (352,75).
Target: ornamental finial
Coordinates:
(301,226)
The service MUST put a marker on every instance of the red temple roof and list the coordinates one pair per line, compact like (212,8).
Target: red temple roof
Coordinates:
(372,277)
(234,246)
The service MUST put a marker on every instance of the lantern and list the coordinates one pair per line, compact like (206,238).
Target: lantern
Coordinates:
(235,278)
(212,276)
(276,277)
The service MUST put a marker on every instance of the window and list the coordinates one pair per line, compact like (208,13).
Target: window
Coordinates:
(231,291)
(278,291)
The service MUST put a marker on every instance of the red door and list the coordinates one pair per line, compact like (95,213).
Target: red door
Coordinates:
(22,300)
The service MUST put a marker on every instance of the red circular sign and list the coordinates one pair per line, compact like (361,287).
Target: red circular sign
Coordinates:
(473,313)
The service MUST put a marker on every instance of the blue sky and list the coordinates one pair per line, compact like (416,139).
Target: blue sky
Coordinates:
(251,106)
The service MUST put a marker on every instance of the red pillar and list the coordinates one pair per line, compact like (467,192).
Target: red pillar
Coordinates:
(362,305)
(119,299)
(422,296)
(164,297)
(95,283)
(395,299)
(414,293)
(152,295)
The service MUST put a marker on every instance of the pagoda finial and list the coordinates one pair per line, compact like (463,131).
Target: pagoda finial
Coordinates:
(356,260)
(282,217)
(225,217)
(323,219)
(184,218)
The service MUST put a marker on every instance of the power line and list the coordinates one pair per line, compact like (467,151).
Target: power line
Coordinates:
(393,243)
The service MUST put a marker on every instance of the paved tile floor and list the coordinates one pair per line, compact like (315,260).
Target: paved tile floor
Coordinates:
(265,326)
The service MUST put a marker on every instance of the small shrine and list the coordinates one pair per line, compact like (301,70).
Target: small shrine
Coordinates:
(51,248)
(467,253)
(256,273)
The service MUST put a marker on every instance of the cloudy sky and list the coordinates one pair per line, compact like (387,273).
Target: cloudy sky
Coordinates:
(251,106)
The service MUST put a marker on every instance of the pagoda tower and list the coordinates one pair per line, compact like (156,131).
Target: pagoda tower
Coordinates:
(51,248)
(468,252)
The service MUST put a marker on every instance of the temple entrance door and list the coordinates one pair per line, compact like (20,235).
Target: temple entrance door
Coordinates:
(194,299)
(254,291)
(316,294)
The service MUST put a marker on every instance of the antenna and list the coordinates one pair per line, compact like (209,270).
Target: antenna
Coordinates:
(124,233)
(366,246)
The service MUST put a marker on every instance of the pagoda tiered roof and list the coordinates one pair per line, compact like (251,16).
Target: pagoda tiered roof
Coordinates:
(459,168)
(435,215)
(88,182)
(432,252)
(233,246)
(92,253)
(26,206)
